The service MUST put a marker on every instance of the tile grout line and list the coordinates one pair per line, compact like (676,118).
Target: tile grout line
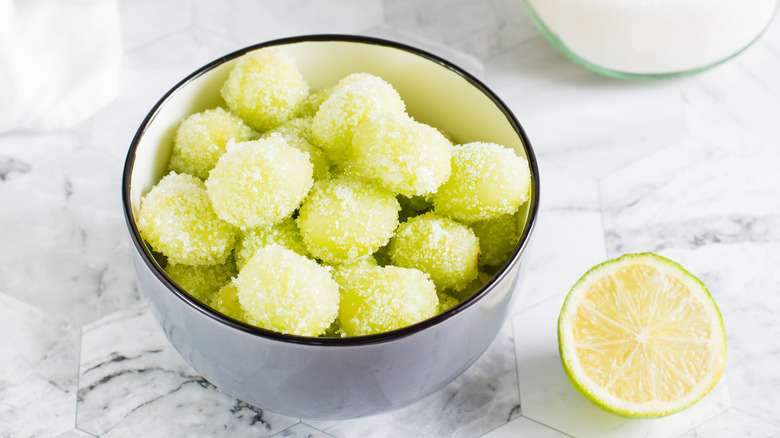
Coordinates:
(78,378)
(752,415)
(517,369)
(549,427)
(693,429)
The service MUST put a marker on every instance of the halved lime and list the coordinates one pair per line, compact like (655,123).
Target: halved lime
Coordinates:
(639,336)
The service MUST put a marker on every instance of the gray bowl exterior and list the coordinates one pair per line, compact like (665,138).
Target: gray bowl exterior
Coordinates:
(330,378)
(329,381)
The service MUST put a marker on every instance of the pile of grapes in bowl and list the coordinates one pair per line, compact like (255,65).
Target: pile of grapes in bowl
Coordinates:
(330,226)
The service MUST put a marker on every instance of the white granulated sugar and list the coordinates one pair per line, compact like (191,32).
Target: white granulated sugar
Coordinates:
(436,233)
(655,36)
(345,194)
(427,179)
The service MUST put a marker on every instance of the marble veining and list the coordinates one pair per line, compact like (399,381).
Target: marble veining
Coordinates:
(10,167)
(73,214)
(500,24)
(720,233)
(40,356)
(328,16)
(686,168)
(173,399)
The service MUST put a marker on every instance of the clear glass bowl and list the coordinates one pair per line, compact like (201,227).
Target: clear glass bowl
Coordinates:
(556,41)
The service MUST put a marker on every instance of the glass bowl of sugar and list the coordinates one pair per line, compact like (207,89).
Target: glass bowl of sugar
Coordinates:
(651,39)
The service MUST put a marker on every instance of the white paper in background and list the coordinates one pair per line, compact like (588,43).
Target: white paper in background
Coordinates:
(59,61)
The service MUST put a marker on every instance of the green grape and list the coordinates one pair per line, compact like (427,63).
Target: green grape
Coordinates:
(473,287)
(446,302)
(286,292)
(259,183)
(225,301)
(346,273)
(297,133)
(177,220)
(497,238)
(201,138)
(347,218)
(264,88)
(407,157)
(312,102)
(442,248)
(355,97)
(487,180)
(285,234)
(203,281)
(380,299)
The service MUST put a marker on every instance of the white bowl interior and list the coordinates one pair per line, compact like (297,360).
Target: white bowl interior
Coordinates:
(433,93)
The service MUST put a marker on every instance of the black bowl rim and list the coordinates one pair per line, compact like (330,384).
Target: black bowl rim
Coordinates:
(385,337)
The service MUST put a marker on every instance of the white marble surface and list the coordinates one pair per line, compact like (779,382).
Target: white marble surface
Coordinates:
(687,168)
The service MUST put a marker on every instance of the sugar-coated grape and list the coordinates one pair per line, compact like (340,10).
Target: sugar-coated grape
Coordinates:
(343,168)
(203,281)
(334,331)
(379,299)
(201,138)
(405,156)
(295,128)
(497,238)
(297,133)
(346,273)
(284,233)
(306,191)
(286,292)
(487,180)
(312,102)
(446,302)
(347,218)
(264,88)
(351,100)
(258,183)
(473,287)
(446,250)
(225,301)
(176,218)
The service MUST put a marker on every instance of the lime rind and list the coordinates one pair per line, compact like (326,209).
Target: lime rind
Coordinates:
(600,397)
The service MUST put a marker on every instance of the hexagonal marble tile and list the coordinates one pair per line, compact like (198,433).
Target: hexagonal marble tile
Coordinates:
(38,372)
(521,427)
(547,397)
(481,399)
(126,344)
(580,120)
(568,237)
(734,423)
(174,399)
(711,210)
(71,209)
(301,430)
